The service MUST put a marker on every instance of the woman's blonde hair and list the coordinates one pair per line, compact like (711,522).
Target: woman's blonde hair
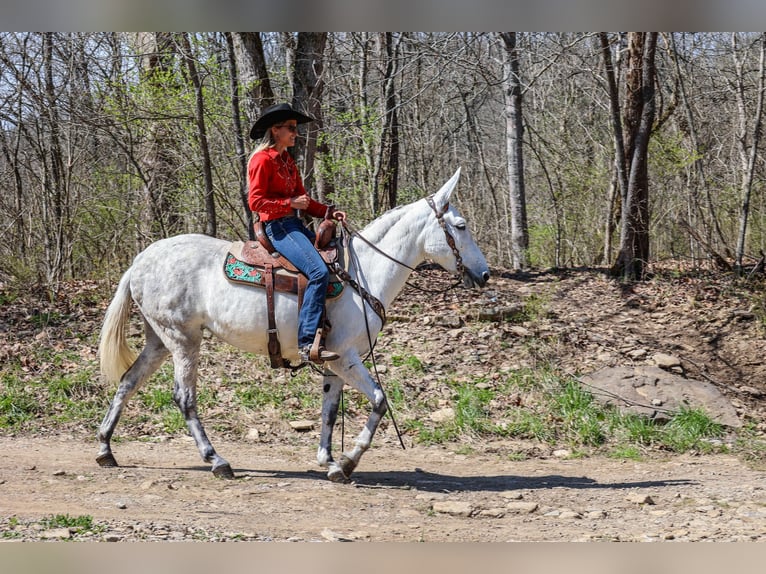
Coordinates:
(266,142)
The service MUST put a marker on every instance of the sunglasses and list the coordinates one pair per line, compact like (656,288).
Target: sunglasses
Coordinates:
(290,127)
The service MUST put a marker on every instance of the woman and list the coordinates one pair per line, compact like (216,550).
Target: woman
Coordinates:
(276,194)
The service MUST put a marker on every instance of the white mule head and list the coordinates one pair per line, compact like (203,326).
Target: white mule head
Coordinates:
(450,243)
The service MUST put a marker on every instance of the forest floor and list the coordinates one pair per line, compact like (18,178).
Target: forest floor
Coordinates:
(471,487)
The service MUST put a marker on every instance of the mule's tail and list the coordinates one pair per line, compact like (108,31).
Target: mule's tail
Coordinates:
(116,355)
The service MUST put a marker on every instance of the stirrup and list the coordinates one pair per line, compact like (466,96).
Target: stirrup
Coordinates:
(317,353)
(318,356)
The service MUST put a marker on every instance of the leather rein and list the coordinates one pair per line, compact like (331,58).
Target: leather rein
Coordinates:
(375,303)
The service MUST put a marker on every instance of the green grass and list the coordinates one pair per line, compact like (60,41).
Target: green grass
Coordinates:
(77,524)
(559,411)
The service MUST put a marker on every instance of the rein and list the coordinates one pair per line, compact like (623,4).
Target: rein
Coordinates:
(375,303)
(460,271)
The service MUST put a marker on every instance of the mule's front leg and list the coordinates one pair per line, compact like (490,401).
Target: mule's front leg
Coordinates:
(355,374)
(332,387)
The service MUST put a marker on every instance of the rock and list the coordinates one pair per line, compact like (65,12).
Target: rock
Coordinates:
(492,512)
(442,415)
(637,390)
(520,507)
(453,508)
(666,362)
(253,435)
(302,425)
(562,453)
(449,321)
(640,499)
(570,515)
(517,331)
(511,495)
(637,354)
(57,534)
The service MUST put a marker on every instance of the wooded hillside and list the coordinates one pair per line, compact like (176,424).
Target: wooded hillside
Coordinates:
(112,140)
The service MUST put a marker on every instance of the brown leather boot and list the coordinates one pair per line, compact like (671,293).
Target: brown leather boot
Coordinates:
(318,355)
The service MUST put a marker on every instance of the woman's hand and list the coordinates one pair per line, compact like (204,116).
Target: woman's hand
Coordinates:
(299,202)
(339,215)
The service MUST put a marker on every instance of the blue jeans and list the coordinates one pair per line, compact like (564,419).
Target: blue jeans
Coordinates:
(296,243)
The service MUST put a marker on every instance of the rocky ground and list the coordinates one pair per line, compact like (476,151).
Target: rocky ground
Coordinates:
(476,489)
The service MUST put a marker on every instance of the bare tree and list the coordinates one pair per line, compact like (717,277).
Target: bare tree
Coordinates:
(514,143)
(252,71)
(620,181)
(387,166)
(747,156)
(159,165)
(639,117)
(307,83)
(199,116)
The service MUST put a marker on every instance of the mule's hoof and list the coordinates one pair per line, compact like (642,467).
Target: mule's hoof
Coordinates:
(347,465)
(106,460)
(223,471)
(335,474)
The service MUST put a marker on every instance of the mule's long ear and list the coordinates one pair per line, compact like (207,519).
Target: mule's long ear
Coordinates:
(441,197)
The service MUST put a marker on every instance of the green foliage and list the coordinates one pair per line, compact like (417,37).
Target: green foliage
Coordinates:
(580,419)
(17,405)
(688,429)
(558,410)
(78,524)
(301,391)
(542,243)
(410,361)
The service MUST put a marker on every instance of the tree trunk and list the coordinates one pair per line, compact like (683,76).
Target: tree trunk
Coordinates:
(199,116)
(639,117)
(748,156)
(54,175)
(620,179)
(387,175)
(161,218)
(252,71)
(514,142)
(239,137)
(307,98)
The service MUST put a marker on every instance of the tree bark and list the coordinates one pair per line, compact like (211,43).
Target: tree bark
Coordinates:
(161,217)
(748,156)
(514,148)
(199,116)
(252,72)
(639,117)
(307,97)
(620,179)
(239,137)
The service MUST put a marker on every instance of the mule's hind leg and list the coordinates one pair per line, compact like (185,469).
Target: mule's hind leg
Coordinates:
(332,386)
(186,360)
(147,362)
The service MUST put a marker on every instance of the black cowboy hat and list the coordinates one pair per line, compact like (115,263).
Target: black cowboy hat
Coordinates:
(273,115)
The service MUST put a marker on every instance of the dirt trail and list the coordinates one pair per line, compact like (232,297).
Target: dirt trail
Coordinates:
(474,492)
(422,494)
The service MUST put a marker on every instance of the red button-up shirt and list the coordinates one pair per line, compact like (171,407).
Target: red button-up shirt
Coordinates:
(273,179)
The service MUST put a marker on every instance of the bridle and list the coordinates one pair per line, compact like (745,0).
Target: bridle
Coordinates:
(450,239)
(374,302)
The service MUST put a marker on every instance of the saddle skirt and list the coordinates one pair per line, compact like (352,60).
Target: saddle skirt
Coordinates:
(246,263)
